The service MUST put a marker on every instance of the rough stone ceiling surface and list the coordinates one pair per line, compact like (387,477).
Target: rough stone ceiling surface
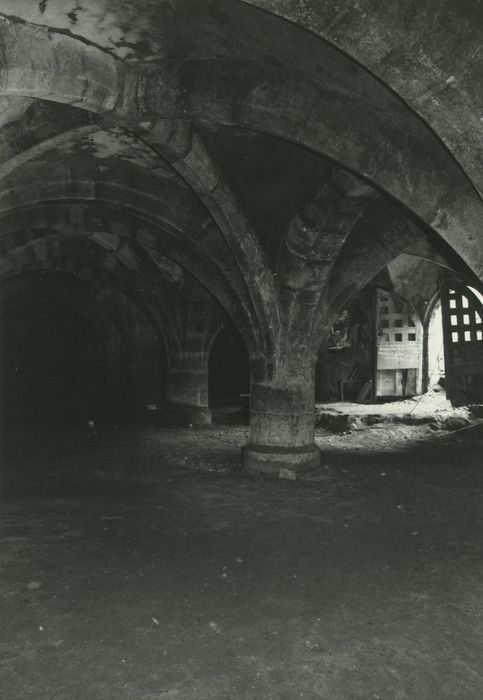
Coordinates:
(250,73)
(428,52)
(244,142)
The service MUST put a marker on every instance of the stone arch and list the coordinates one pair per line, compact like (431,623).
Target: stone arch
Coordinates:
(101,269)
(165,236)
(374,242)
(167,149)
(436,78)
(65,69)
(132,333)
(205,91)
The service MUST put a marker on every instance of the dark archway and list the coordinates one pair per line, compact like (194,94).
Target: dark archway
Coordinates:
(229,373)
(54,364)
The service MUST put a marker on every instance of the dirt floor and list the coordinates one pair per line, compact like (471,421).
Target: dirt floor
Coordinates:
(429,403)
(432,408)
(140,564)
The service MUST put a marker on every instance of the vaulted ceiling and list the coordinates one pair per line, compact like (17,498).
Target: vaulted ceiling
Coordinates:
(279,153)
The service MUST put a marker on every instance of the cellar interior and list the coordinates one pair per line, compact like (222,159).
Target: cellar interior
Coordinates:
(241,349)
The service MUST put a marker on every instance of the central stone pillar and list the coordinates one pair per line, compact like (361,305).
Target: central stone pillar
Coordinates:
(187,393)
(282,418)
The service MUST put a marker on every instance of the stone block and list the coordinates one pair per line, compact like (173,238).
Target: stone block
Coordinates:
(278,462)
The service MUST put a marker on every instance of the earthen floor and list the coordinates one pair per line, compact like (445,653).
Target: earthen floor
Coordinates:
(138,564)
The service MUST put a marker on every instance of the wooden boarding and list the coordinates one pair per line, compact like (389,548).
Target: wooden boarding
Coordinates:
(462,311)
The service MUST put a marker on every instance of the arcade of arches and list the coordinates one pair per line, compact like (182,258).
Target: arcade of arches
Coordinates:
(278,200)
(168,169)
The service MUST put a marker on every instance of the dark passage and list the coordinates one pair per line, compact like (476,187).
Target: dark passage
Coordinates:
(54,362)
(229,374)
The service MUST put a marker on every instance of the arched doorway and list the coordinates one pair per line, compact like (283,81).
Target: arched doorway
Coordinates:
(435,348)
(399,347)
(462,311)
(229,372)
(54,366)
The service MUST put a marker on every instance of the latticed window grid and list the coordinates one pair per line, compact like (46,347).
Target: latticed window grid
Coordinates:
(465,320)
(395,323)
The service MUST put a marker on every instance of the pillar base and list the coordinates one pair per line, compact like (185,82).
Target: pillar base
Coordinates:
(188,416)
(280,462)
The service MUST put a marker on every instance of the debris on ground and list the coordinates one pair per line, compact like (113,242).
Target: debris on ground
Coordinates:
(429,409)
(455,422)
(34,585)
